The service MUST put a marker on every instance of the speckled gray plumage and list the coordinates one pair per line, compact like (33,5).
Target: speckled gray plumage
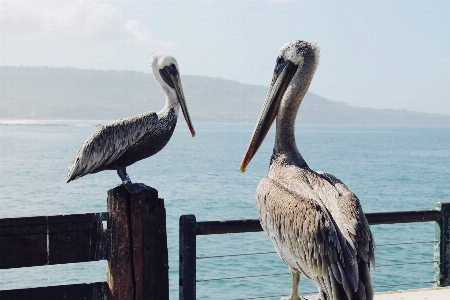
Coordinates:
(317,227)
(122,143)
(314,221)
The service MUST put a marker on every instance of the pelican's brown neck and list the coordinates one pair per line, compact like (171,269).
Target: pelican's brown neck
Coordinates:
(285,121)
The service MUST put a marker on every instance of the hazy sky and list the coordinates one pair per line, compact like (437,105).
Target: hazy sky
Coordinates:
(381,54)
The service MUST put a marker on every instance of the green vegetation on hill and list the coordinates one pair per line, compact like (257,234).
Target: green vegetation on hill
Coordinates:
(68,93)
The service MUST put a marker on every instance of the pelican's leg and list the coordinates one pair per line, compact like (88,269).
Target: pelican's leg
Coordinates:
(294,289)
(132,188)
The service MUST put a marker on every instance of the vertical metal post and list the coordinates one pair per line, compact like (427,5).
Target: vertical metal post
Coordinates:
(188,250)
(442,246)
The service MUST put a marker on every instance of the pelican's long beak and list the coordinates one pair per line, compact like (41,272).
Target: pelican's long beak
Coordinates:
(281,78)
(176,81)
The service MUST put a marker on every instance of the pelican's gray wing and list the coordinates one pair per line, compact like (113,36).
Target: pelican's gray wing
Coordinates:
(308,239)
(108,143)
(352,218)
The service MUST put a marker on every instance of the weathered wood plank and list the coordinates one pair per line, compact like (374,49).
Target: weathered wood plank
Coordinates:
(91,291)
(56,219)
(23,251)
(76,246)
(137,208)
(119,270)
(55,243)
(22,230)
(138,266)
(44,229)
(154,245)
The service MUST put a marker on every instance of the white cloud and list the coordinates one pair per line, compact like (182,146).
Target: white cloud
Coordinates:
(35,20)
(140,32)
(73,28)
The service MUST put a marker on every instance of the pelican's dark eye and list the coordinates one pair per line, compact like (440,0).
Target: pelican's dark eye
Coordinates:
(280,60)
(281,63)
(173,66)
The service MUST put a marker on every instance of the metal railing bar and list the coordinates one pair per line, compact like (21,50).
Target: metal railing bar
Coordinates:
(240,277)
(242,254)
(400,284)
(411,263)
(228,226)
(377,218)
(395,217)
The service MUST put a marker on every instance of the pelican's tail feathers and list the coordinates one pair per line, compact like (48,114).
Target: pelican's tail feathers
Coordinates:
(338,287)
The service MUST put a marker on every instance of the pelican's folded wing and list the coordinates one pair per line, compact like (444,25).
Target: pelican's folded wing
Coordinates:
(353,218)
(307,238)
(108,143)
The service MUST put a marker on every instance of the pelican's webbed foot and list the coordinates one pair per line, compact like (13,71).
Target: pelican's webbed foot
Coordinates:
(132,188)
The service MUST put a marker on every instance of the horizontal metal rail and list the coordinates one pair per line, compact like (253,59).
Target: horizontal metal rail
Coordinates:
(404,217)
(234,255)
(253,225)
(229,226)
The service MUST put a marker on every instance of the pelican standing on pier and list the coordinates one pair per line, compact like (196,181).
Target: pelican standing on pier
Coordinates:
(314,221)
(128,140)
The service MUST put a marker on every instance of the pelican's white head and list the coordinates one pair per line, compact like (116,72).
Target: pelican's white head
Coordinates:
(158,62)
(165,70)
(298,51)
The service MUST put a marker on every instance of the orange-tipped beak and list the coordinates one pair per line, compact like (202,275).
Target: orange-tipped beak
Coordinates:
(248,156)
(192,130)
(280,81)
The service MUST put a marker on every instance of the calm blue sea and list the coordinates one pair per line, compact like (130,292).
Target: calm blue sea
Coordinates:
(389,169)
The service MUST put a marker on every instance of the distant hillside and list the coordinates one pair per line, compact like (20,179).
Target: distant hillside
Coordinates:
(68,93)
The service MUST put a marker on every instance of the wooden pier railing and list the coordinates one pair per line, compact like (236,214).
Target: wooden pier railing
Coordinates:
(135,245)
(190,228)
(49,240)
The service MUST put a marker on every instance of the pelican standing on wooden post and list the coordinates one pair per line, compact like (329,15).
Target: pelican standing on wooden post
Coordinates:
(128,140)
(314,221)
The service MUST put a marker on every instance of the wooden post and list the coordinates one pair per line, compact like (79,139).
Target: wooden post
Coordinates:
(138,264)
(442,246)
(188,244)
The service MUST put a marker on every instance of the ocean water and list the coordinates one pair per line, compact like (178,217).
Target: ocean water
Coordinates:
(388,168)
